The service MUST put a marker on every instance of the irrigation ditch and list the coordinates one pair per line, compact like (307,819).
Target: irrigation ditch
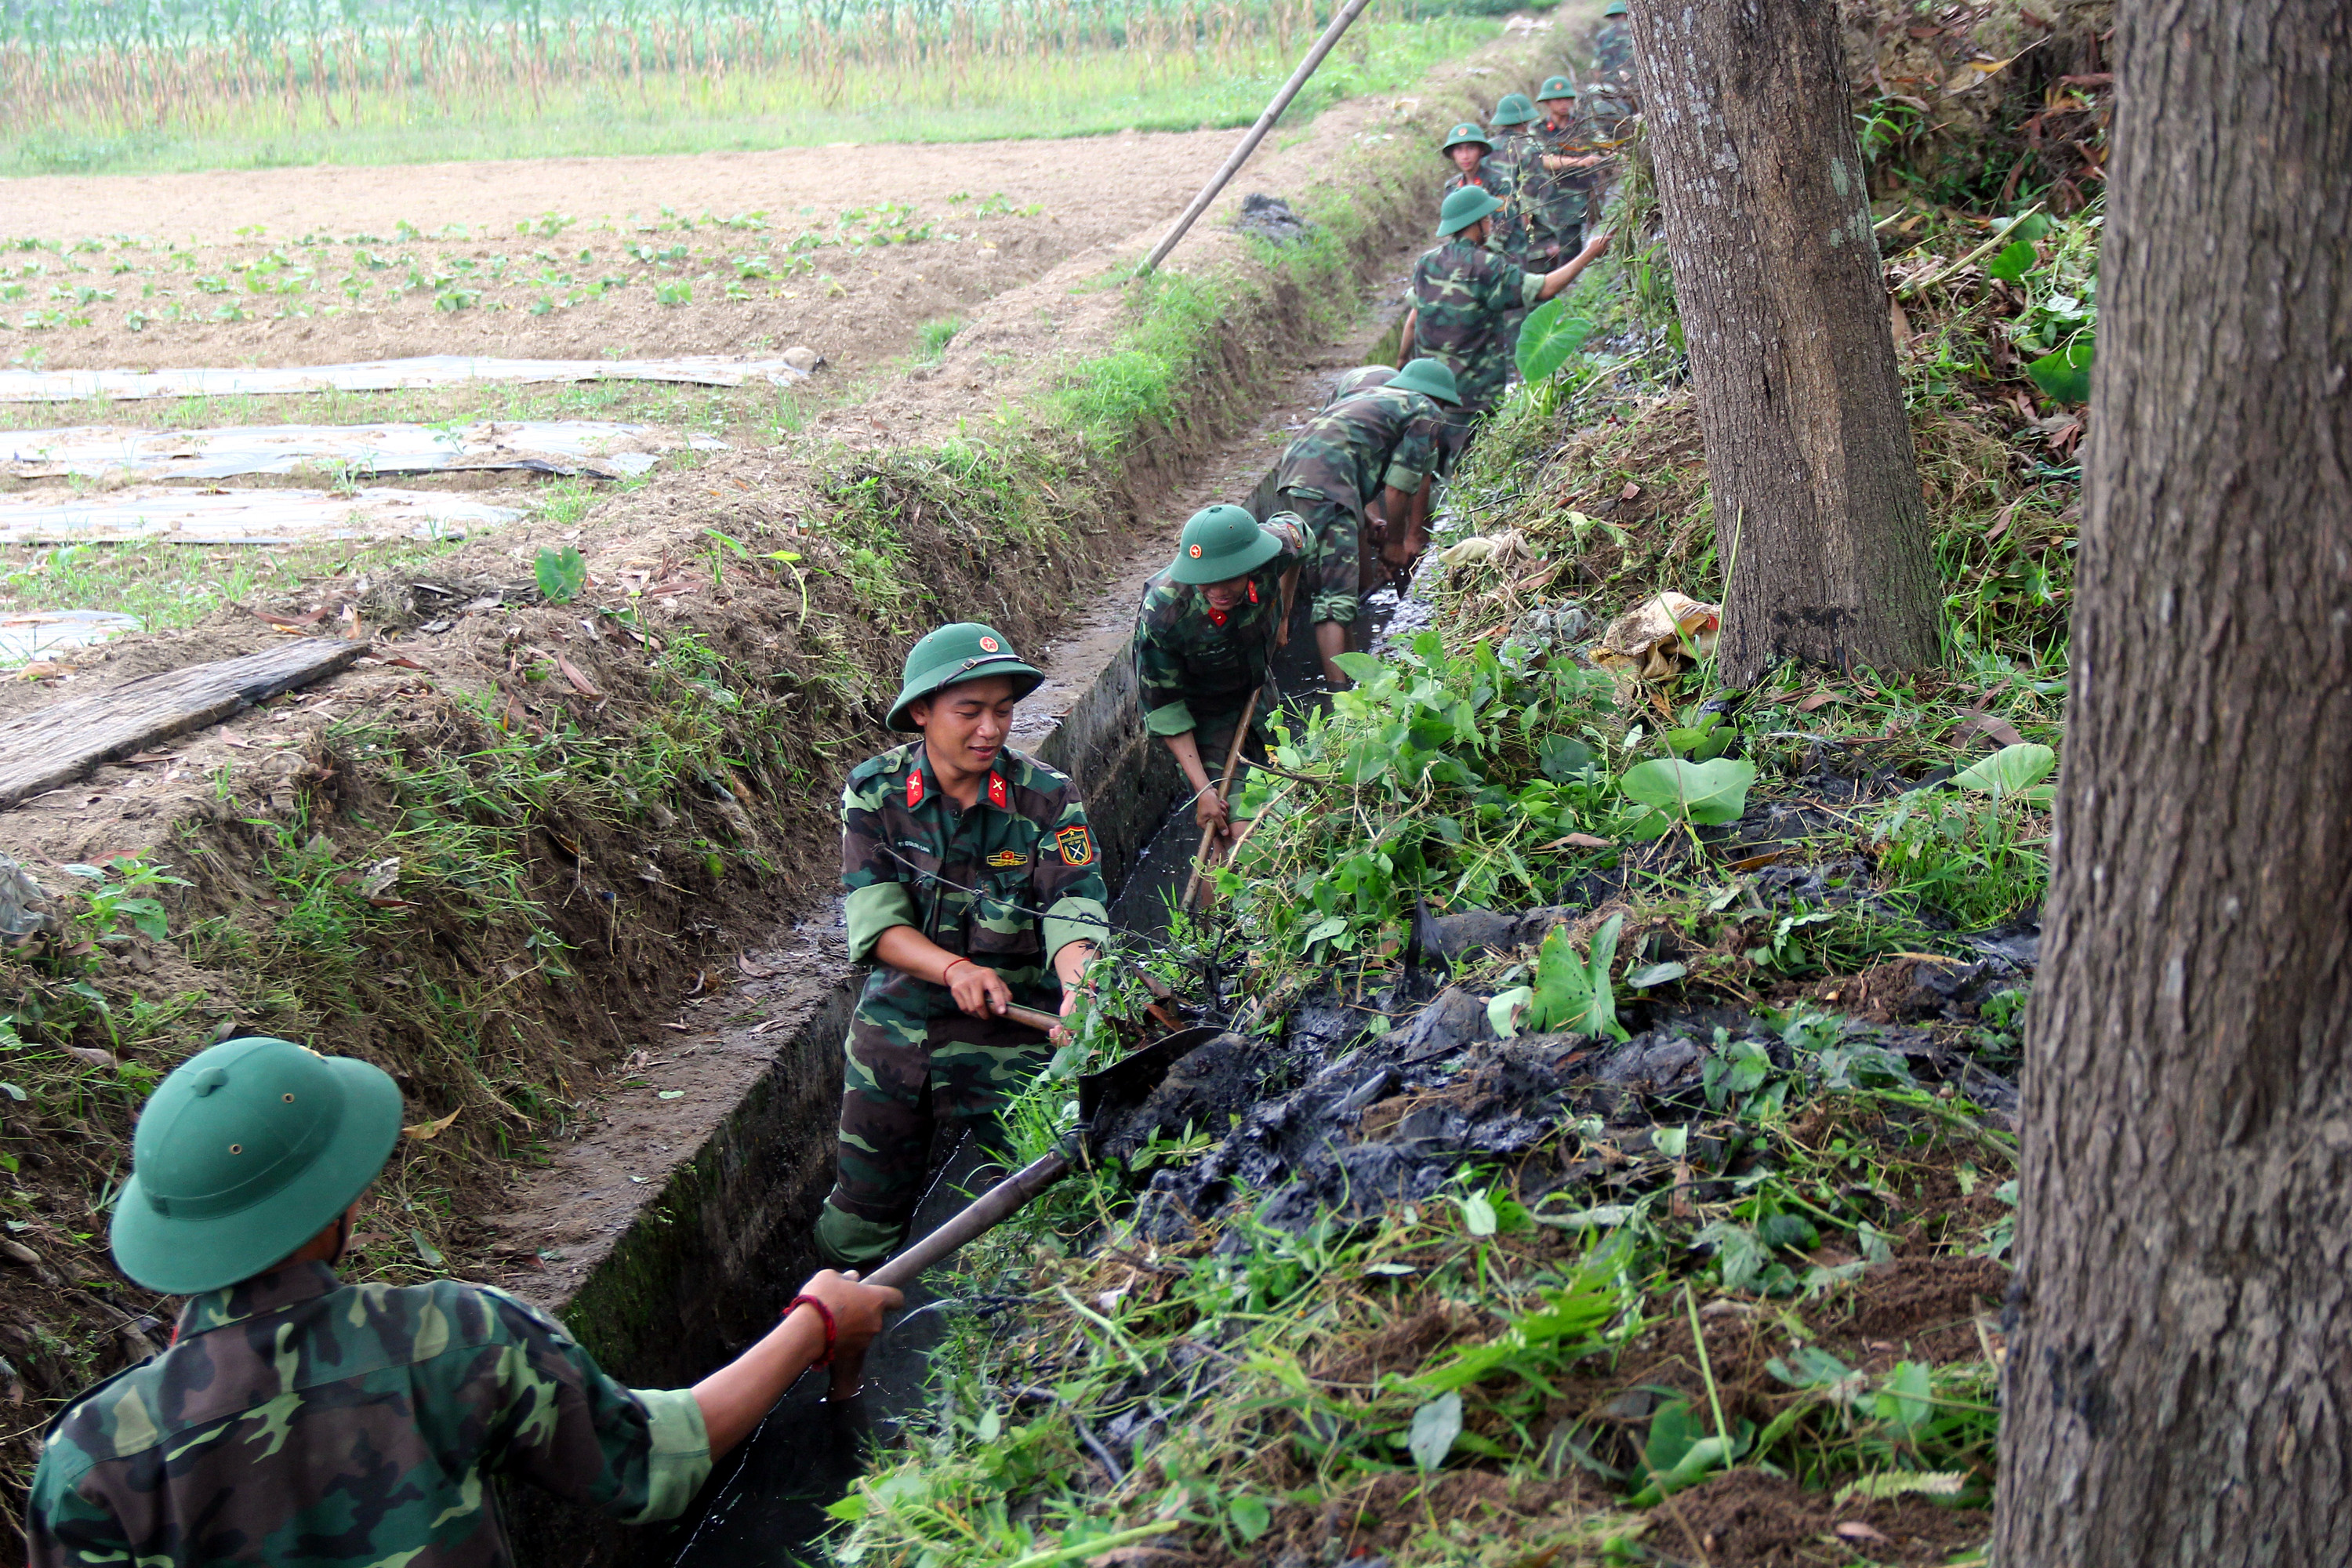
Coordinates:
(531,854)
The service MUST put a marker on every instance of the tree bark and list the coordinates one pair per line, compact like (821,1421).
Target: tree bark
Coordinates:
(1818,516)
(2180,1370)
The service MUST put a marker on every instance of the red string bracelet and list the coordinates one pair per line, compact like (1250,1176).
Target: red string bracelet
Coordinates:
(824,1315)
(950,970)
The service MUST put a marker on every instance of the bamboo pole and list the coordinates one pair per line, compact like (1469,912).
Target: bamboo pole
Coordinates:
(1225,792)
(1323,45)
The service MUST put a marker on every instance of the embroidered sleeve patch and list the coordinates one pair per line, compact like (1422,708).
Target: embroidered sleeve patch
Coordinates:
(1004,858)
(1077,845)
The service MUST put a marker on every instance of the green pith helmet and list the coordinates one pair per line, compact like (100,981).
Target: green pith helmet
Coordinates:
(1515,109)
(247,1151)
(1222,543)
(1614,8)
(1430,376)
(957,652)
(1464,207)
(1466,134)
(1555,86)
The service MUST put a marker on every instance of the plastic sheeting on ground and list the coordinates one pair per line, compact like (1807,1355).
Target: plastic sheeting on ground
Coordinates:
(243,517)
(30,634)
(381,375)
(594,446)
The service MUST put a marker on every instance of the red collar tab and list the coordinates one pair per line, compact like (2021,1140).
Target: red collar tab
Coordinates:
(915,786)
(1252,590)
(998,795)
(1216,616)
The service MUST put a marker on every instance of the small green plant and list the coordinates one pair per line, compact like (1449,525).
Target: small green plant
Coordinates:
(120,892)
(562,574)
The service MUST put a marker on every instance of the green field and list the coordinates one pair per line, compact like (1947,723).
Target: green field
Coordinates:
(164,86)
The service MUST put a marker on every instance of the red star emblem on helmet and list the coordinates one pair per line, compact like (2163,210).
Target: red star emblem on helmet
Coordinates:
(1196,552)
(988,645)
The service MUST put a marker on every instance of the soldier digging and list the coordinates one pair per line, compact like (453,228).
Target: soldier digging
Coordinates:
(299,1419)
(973,883)
(1205,640)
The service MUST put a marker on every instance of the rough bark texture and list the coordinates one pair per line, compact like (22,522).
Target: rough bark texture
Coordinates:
(2179,1368)
(1784,309)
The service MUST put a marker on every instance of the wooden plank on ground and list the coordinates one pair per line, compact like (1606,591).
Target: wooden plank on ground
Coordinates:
(51,747)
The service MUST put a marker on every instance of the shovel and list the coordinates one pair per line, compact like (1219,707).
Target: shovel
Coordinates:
(1104,1099)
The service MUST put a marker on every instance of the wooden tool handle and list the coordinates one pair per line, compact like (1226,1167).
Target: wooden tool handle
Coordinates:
(1224,792)
(1034,1017)
(983,1214)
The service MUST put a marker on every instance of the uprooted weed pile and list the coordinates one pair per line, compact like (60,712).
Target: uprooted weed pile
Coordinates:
(1612,1159)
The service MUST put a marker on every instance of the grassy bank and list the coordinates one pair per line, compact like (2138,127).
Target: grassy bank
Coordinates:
(1722,1284)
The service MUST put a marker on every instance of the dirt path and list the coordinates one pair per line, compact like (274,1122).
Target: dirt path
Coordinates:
(856,248)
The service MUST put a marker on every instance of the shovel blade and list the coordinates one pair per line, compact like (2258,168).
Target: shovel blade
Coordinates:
(1128,1082)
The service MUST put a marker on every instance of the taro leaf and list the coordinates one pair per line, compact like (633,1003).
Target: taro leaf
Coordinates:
(562,573)
(1572,991)
(1435,1426)
(2064,373)
(1548,339)
(1359,667)
(2014,262)
(1709,794)
(1251,1517)
(1564,757)
(2031,227)
(2012,770)
(1655,975)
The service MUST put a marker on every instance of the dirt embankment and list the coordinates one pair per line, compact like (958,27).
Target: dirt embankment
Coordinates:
(498,856)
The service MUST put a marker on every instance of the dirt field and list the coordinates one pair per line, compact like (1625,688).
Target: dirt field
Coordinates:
(857,247)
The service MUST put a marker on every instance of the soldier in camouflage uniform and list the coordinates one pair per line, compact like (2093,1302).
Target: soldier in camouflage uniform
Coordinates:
(1612,44)
(1515,122)
(1205,640)
(1463,295)
(1474,163)
(1362,462)
(973,883)
(1612,102)
(298,1419)
(1362,378)
(1557,183)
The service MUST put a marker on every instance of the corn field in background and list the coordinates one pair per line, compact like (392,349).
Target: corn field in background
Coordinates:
(166,67)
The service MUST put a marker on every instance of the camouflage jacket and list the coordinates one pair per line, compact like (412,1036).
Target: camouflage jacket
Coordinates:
(1461,296)
(1188,654)
(1500,180)
(1613,47)
(1008,883)
(1381,436)
(298,1419)
(1553,201)
(1524,152)
(1362,378)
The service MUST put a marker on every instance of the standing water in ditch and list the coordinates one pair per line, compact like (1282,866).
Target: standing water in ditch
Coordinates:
(767,1507)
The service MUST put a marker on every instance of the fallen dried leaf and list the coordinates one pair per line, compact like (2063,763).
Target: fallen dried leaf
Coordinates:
(1854,1530)
(1820,699)
(425,1131)
(580,683)
(1580,841)
(1995,728)
(93,1055)
(45,669)
(289,623)
(1630,492)
(753,970)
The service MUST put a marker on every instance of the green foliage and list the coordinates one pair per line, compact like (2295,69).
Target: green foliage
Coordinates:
(1674,791)
(1549,339)
(561,573)
(120,892)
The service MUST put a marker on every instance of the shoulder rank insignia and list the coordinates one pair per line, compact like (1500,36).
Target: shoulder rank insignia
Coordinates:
(998,795)
(1077,845)
(1004,858)
(915,787)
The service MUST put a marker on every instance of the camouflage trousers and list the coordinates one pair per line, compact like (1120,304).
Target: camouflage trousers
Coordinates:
(1334,550)
(903,1078)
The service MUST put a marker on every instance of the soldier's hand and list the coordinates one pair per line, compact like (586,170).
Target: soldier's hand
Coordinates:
(1598,243)
(978,989)
(1208,814)
(856,1307)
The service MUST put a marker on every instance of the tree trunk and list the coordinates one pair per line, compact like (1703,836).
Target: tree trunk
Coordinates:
(2180,1366)
(1818,518)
